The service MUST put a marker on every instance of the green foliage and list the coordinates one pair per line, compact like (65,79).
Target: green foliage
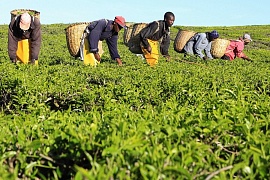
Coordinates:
(184,119)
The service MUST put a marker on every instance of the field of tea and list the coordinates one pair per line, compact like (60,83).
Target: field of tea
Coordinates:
(184,119)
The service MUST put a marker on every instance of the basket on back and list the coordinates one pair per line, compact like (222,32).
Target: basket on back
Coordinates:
(127,33)
(181,39)
(74,34)
(16,12)
(134,41)
(219,47)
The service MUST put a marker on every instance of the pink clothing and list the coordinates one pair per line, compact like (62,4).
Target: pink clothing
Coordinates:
(235,49)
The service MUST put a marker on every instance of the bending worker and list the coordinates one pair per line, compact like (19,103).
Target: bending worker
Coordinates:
(236,47)
(104,30)
(201,42)
(150,36)
(24,39)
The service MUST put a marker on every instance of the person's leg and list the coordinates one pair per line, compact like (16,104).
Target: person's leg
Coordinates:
(151,58)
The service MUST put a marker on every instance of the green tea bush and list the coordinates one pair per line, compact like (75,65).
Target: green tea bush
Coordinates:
(184,119)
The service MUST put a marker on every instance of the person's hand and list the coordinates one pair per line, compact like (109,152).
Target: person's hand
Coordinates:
(14,61)
(205,57)
(97,57)
(168,58)
(247,58)
(118,60)
(33,61)
(149,49)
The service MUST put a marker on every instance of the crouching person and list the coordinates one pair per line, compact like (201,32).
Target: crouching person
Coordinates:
(201,42)
(236,47)
(104,30)
(150,36)
(24,39)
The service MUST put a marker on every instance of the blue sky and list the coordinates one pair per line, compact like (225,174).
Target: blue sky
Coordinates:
(187,12)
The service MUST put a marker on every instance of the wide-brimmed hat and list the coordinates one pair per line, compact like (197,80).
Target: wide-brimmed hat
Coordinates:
(120,21)
(25,21)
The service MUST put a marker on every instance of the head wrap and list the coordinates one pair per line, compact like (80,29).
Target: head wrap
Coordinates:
(247,37)
(25,21)
(214,34)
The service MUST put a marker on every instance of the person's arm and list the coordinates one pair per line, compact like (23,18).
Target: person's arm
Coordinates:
(164,47)
(95,29)
(198,45)
(239,51)
(36,40)
(245,57)
(12,41)
(113,49)
(207,51)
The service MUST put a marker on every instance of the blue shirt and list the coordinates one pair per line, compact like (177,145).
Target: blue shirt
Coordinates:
(198,43)
(103,30)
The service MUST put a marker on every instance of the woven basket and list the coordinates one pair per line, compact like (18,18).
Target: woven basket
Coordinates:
(219,47)
(181,39)
(127,34)
(134,41)
(74,34)
(16,12)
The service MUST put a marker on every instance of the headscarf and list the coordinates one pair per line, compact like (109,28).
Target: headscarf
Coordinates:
(214,34)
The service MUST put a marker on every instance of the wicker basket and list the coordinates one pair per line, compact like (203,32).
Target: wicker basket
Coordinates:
(127,34)
(134,41)
(74,34)
(181,39)
(16,12)
(219,47)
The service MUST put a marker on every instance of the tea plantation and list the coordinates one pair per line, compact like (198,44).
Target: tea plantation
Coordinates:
(183,119)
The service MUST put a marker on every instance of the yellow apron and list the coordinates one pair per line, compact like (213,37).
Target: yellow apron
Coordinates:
(88,57)
(23,52)
(151,59)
